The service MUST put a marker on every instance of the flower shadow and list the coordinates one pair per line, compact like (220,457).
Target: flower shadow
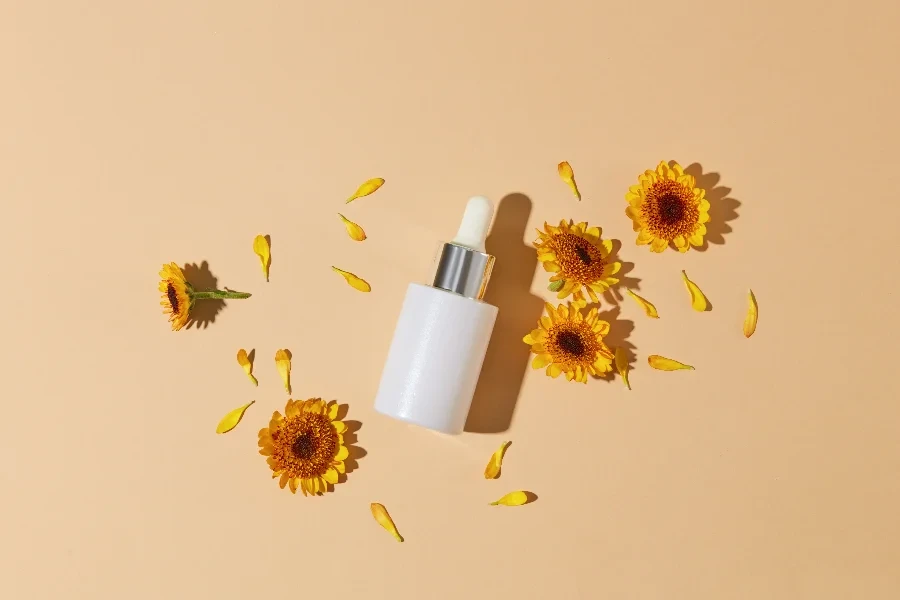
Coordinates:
(351,440)
(619,332)
(204,312)
(507,359)
(626,282)
(722,207)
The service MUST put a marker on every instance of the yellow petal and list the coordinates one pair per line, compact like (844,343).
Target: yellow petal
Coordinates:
(331,475)
(492,470)
(541,360)
(512,499)
(231,420)
(622,365)
(353,230)
(645,304)
(261,248)
(384,519)
(667,364)
(354,281)
(283,363)
(752,316)
(698,300)
(568,176)
(366,188)
(244,360)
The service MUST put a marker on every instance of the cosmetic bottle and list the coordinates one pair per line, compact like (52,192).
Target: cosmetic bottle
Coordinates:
(442,334)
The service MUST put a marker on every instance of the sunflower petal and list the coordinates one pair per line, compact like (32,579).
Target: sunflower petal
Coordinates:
(662,363)
(512,499)
(331,475)
(384,519)
(645,304)
(622,365)
(244,360)
(353,230)
(355,282)
(698,299)
(261,249)
(283,363)
(568,176)
(752,315)
(541,360)
(333,410)
(492,470)
(366,188)
(231,420)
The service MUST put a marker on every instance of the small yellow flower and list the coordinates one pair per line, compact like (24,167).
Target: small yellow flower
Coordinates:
(178,296)
(566,342)
(666,208)
(305,447)
(578,257)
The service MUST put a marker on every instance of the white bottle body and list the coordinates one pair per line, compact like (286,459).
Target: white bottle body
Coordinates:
(435,358)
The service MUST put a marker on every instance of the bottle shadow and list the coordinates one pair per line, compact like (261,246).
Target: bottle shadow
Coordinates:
(722,208)
(506,362)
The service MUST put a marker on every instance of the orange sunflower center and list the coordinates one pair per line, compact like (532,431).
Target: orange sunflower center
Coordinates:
(572,343)
(305,445)
(669,210)
(580,260)
(172,293)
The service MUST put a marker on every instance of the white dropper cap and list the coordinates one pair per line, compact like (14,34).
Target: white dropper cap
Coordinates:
(475,223)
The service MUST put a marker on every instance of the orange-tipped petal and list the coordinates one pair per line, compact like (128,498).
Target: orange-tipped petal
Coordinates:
(568,176)
(261,249)
(698,299)
(244,360)
(667,364)
(622,365)
(366,188)
(354,281)
(231,420)
(353,230)
(645,304)
(492,470)
(283,363)
(512,499)
(384,519)
(752,315)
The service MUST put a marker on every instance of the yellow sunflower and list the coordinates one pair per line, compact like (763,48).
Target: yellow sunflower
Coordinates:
(566,342)
(305,447)
(176,298)
(667,208)
(580,260)
(179,296)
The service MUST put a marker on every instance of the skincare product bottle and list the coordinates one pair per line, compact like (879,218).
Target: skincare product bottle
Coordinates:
(442,334)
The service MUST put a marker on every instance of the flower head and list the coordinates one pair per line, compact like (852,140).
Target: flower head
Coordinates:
(176,295)
(305,447)
(566,342)
(667,209)
(579,258)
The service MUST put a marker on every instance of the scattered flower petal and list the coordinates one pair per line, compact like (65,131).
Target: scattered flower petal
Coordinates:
(384,519)
(244,360)
(283,362)
(622,365)
(555,286)
(261,248)
(366,188)
(698,300)
(353,230)
(568,176)
(512,499)
(492,470)
(667,364)
(645,304)
(354,281)
(752,316)
(231,420)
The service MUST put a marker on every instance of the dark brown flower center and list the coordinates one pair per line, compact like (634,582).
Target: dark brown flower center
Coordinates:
(671,209)
(304,446)
(571,343)
(579,259)
(172,293)
(583,254)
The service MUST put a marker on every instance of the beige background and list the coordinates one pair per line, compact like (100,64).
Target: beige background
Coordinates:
(132,134)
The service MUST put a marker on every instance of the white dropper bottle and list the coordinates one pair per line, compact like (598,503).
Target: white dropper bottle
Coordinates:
(442,334)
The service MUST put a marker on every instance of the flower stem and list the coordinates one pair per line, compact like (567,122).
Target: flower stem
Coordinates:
(220,295)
